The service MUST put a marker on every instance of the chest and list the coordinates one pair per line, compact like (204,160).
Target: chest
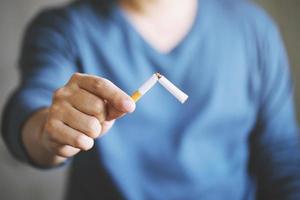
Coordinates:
(216,71)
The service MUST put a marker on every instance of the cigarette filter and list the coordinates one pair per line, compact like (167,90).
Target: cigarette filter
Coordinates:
(176,92)
(145,88)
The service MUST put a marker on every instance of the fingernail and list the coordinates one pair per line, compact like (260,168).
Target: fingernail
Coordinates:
(129,105)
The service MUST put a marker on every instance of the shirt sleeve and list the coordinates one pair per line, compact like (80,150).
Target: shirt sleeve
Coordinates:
(47,61)
(275,149)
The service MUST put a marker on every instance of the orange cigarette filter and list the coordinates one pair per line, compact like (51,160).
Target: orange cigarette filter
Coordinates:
(136,96)
(147,85)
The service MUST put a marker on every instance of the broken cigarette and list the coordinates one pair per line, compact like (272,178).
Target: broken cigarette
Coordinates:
(144,88)
(175,91)
(168,85)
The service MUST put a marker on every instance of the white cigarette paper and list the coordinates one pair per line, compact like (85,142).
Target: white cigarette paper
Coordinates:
(176,92)
(145,88)
(148,84)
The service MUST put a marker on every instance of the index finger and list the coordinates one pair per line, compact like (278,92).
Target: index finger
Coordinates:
(106,90)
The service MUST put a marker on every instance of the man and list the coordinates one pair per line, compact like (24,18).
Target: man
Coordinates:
(235,138)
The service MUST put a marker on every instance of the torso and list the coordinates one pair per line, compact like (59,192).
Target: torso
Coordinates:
(199,149)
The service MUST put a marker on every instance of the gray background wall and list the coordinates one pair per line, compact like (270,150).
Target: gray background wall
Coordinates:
(19,182)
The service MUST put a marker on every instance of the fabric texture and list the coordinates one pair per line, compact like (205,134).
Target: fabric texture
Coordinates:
(235,138)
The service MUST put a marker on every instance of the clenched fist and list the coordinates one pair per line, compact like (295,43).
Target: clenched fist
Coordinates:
(84,109)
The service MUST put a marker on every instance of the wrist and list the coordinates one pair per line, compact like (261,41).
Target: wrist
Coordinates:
(34,142)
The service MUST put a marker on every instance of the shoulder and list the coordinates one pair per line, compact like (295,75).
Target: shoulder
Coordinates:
(65,22)
(71,14)
(247,14)
(245,20)
(56,16)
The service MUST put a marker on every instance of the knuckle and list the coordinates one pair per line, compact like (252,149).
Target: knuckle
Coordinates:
(55,108)
(59,94)
(75,76)
(102,83)
(60,105)
(56,111)
(51,126)
(98,85)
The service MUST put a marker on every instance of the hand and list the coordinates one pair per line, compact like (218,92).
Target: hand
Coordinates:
(84,109)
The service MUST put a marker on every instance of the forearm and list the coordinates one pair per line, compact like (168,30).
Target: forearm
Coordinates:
(33,142)
(275,157)
(277,169)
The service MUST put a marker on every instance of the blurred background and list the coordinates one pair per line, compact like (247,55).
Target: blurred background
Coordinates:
(19,182)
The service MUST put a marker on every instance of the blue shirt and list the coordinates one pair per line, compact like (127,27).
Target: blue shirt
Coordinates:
(235,138)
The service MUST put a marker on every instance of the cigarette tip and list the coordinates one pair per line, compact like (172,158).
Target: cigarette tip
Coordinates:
(158,75)
(184,99)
